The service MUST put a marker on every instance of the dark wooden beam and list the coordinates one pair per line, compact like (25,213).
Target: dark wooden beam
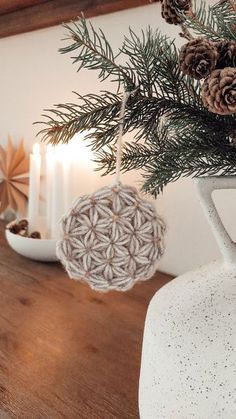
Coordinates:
(7,6)
(28,15)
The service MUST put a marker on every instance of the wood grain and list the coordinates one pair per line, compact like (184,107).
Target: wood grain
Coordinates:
(15,18)
(65,350)
(7,6)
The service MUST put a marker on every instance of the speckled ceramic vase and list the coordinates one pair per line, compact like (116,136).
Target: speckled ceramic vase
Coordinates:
(188,367)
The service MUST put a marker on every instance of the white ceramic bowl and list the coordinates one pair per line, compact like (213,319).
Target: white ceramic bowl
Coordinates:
(42,250)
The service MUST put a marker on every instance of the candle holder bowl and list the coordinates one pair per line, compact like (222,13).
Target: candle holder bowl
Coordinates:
(41,250)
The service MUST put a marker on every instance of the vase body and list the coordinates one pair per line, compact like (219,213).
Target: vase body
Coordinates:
(188,367)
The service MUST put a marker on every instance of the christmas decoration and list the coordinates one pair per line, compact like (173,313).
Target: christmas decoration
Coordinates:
(171,10)
(182,125)
(112,238)
(14,177)
(198,58)
(219,91)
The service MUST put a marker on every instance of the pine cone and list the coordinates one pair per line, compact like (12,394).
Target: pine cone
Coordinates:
(23,224)
(226,54)
(14,228)
(198,58)
(35,235)
(219,91)
(170,10)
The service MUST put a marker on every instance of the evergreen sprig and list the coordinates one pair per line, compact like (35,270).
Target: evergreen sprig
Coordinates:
(215,22)
(173,134)
(95,53)
(91,112)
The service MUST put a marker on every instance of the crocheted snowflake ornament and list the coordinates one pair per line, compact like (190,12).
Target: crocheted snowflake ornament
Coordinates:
(111,239)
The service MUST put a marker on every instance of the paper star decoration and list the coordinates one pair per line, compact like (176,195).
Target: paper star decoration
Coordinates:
(14,177)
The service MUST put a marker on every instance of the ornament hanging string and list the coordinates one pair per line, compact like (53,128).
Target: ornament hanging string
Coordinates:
(120,134)
(112,238)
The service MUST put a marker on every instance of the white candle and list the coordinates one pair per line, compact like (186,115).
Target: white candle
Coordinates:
(85,171)
(81,161)
(49,173)
(67,168)
(68,175)
(58,201)
(34,188)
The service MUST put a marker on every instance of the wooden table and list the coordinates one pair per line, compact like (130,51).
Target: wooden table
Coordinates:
(65,350)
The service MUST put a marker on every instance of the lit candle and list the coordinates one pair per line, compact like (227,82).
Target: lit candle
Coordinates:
(58,201)
(34,188)
(85,170)
(49,173)
(67,168)
(81,162)
(68,174)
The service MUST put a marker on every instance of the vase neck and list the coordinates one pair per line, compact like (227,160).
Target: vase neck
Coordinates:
(205,187)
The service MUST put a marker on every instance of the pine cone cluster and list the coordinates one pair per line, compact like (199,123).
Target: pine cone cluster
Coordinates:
(21,228)
(201,58)
(215,62)
(171,10)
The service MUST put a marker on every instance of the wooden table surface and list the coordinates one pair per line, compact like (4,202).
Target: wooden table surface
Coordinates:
(67,351)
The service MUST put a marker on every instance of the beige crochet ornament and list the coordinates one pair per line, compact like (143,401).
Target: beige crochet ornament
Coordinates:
(111,238)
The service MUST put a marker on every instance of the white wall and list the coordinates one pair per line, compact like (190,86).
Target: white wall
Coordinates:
(34,76)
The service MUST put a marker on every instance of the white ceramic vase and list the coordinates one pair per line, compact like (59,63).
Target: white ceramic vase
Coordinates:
(188,367)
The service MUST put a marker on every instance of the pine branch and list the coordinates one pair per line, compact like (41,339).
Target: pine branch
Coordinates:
(189,144)
(95,53)
(173,134)
(92,112)
(144,54)
(225,16)
(232,4)
(135,156)
(154,62)
(180,160)
(214,22)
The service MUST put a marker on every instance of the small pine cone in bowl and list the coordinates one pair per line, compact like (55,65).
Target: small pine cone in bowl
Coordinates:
(198,58)
(219,91)
(226,54)
(171,10)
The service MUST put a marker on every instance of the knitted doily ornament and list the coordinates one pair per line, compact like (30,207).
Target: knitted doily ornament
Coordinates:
(111,239)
